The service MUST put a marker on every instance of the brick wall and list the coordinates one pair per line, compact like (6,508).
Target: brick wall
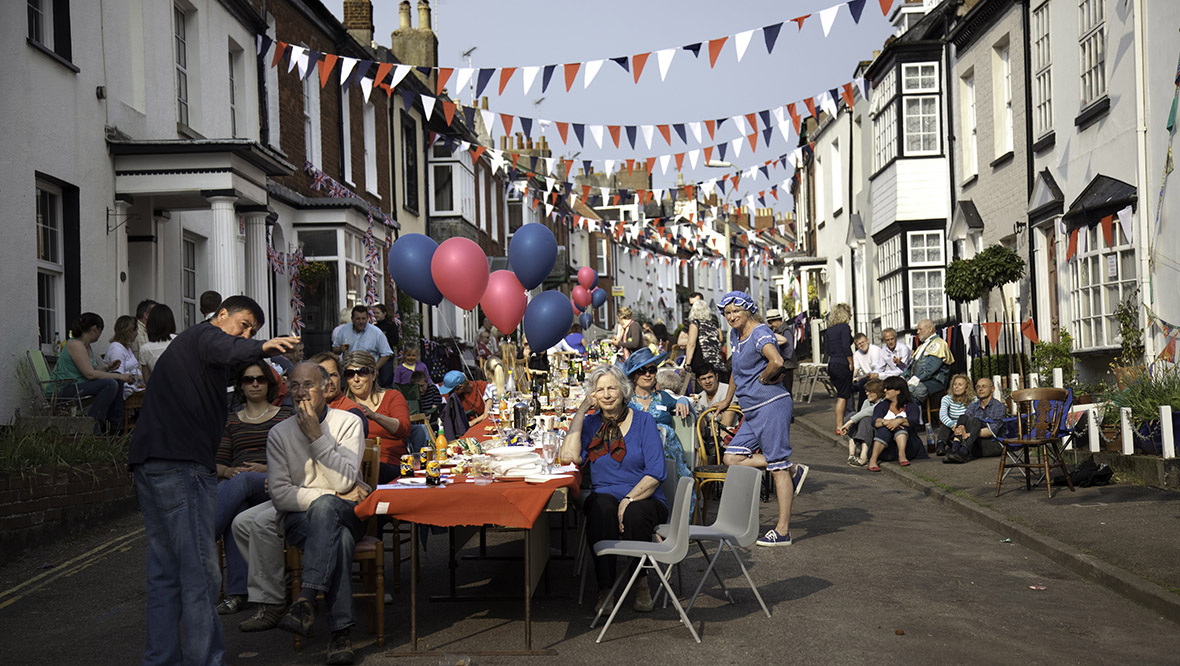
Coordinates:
(41,504)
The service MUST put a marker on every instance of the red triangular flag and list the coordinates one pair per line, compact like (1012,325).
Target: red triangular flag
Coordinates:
(1029,329)
(651,163)
(708,154)
(563,129)
(505,76)
(630,166)
(774,193)
(571,73)
(1107,231)
(795,120)
(992,329)
(688,190)
(569,164)
(382,72)
(666,132)
(637,62)
(1072,247)
(506,121)
(448,110)
(753,141)
(715,46)
(614,201)
(614,133)
(326,66)
(444,75)
(515,159)
(800,19)
(711,126)
(752,118)
(810,103)
(280,49)
(847,94)
(585,192)
(737,178)
(476,152)
(679,161)
(885,5)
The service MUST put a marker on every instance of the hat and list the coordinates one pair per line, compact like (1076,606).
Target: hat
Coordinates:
(739,298)
(774,314)
(641,358)
(452,381)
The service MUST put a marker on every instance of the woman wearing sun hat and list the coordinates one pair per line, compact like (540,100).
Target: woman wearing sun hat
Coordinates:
(640,368)
(764,439)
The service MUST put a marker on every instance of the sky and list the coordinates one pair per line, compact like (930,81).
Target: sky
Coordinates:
(506,33)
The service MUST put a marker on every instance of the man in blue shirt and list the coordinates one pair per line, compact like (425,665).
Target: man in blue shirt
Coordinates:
(362,336)
(976,424)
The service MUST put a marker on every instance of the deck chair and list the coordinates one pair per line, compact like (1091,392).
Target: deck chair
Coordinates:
(709,468)
(45,391)
(369,553)
(1039,415)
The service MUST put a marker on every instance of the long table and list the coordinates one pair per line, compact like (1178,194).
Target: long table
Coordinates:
(512,504)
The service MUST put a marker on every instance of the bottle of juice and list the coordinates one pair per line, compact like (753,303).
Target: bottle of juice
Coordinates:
(440,445)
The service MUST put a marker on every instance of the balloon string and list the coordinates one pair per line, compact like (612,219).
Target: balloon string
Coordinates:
(470,374)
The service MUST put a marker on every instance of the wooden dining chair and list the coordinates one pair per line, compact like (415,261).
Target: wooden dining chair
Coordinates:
(1039,415)
(710,447)
(369,553)
(133,402)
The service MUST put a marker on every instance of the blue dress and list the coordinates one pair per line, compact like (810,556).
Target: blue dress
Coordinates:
(663,409)
(617,478)
(766,408)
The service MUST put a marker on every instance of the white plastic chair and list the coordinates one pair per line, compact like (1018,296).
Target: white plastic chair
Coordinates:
(651,555)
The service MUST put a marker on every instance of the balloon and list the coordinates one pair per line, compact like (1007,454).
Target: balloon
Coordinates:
(532,252)
(581,296)
(546,319)
(585,320)
(409,266)
(598,297)
(587,277)
(577,308)
(460,269)
(504,301)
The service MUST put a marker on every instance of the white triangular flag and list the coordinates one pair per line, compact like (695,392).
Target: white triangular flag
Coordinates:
(741,125)
(489,119)
(1125,223)
(736,144)
(428,104)
(464,145)
(966,328)
(462,78)
(665,59)
(709,185)
(550,166)
(648,131)
(591,70)
(828,16)
(399,73)
(596,133)
(751,173)
(605,191)
(610,166)
(367,86)
(863,87)
(785,129)
(550,182)
(346,65)
(664,160)
(741,41)
(530,75)
(828,103)
(696,130)
(296,53)
(548,208)
(780,113)
(693,156)
(1083,234)
(543,124)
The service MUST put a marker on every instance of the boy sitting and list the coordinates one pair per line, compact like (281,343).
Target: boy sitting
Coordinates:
(861,424)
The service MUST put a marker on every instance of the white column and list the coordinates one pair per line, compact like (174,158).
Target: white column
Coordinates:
(223,242)
(122,291)
(1125,430)
(257,284)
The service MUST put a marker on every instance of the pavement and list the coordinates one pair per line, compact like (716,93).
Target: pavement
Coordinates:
(890,568)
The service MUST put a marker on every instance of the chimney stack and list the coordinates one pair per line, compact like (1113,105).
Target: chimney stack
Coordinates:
(423,15)
(358,20)
(417,47)
(403,15)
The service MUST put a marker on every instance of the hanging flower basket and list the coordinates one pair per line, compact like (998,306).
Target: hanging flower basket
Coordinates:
(313,273)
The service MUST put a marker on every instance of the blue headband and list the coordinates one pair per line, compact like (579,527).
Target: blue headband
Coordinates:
(740,299)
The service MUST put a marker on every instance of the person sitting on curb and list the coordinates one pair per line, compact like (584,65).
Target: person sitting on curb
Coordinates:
(954,404)
(861,424)
(975,425)
(896,418)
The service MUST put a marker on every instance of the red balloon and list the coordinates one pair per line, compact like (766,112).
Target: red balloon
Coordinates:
(504,301)
(460,271)
(581,296)
(577,308)
(588,278)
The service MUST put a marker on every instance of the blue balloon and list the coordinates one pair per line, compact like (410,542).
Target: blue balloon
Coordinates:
(585,320)
(532,252)
(409,266)
(547,319)
(598,297)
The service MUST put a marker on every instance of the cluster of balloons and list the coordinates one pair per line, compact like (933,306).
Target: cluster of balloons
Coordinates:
(457,269)
(587,294)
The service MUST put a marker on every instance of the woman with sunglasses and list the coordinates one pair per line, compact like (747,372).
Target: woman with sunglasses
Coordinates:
(241,466)
(640,368)
(386,410)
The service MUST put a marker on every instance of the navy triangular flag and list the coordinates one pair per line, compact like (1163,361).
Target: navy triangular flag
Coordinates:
(721,123)
(679,127)
(765,116)
(481,82)
(695,48)
(766,134)
(357,73)
(765,170)
(580,133)
(624,62)
(425,71)
(526,124)
(587,167)
(631,130)
(407,99)
(264,43)
(721,148)
(721,183)
(546,75)
(855,7)
(313,59)
(469,114)
(770,34)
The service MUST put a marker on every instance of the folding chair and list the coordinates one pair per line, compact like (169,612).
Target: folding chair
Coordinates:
(651,555)
(44,390)
(709,468)
(411,393)
(1039,415)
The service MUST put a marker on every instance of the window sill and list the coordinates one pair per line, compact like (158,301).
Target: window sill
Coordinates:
(1045,142)
(187,132)
(1002,160)
(1092,113)
(838,212)
(411,211)
(970,181)
(53,55)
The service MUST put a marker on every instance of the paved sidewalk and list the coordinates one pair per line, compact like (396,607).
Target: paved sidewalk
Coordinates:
(1122,536)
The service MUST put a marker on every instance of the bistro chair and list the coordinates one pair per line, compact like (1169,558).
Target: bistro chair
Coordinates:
(710,448)
(1040,413)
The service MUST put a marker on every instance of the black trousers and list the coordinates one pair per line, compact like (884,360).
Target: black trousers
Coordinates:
(602,523)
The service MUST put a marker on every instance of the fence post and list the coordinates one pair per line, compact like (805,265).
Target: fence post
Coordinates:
(997,382)
(1058,378)
(1125,429)
(1034,380)
(815,356)
(1092,429)
(1167,437)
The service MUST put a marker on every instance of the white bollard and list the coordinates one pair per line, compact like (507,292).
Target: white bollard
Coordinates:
(1014,382)
(1034,380)
(1125,429)
(1058,378)
(1092,430)
(815,356)
(997,383)
(1167,437)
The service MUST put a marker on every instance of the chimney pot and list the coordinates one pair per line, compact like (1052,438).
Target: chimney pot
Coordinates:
(423,15)
(403,15)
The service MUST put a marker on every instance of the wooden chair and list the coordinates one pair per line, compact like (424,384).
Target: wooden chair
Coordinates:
(133,402)
(369,553)
(709,468)
(1039,415)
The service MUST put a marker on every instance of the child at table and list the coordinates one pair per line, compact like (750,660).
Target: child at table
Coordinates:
(861,424)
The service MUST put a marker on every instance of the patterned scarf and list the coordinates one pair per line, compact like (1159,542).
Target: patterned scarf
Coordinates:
(608,438)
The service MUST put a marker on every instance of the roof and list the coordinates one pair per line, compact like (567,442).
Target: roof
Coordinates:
(1103,196)
(965,219)
(1046,198)
(296,199)
(267,160)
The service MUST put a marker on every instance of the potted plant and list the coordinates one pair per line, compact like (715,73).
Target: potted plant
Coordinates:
(313,273)
(1048,356)
(1128,368)
(1144,396)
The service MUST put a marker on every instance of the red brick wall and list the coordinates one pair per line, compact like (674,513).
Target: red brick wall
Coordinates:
(45,502)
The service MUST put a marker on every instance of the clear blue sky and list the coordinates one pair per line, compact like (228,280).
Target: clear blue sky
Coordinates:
(542,32)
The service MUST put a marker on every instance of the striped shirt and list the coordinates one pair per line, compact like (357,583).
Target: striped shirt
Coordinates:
(950,411)
(244,442)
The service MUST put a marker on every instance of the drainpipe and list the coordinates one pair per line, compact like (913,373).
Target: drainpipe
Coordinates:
(950,129)
(1025,23)
(851,262)
(264,112)
(1145,287)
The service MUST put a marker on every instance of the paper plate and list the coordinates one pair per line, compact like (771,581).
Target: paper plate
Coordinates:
(511,451)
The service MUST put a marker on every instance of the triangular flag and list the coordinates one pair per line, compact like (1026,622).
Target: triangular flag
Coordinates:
(366,87)
(965,328)
(992,330)
(827,17)
(448,110)
(444,75)
(428,105)
(752,119)
(846,94)
(711,126)
(737,147)
(649,164)
(800,19)
(476,152)
(630,166)
(263,43)
(462,79)
(571,74)
(526,124)
(1125,223)
(481,81)
(546,76)
(827,102)
(1071,247)
(795,119)
(1029,329)
(753,139)
(631,131)
(505,76)
(679,161)
(637,62)
(715,46)
(810,104)
(506,120)
(664,58)
(563,129)
(596,133)
(885,5)
(696,131)
(280,51)
(529,75)
(770,35)
(741,41)
(326,66)
(648,132)
(664,160)
(580,133)
(708,154)
(855,7)
(666,132)
(346,66)
(693,156)
(614,134)
(592,68)
(622,61)
(863,86)
(695,49)
(721,148)
(1108,230)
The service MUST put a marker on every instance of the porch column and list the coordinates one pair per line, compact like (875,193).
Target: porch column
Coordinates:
(256,284)
(123,204)
(223,241)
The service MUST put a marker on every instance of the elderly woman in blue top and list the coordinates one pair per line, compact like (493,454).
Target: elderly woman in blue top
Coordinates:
(640,368)
(626,460)
(764,438)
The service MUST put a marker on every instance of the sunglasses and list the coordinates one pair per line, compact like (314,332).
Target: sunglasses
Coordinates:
(253,379)
(649,370)
(357,372)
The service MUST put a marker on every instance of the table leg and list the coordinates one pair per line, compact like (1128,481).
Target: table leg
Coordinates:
(413,587)
(528,589)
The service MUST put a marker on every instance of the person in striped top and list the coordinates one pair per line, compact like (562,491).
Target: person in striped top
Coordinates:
(954,404)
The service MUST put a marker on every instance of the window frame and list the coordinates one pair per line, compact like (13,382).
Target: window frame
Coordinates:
(44,36)
(910,245)
(883,109)
(893,311)
(937,291)
(1004,135)
(837,178)
(312,137)
(1042,68)
(346,135)
(970,127)
(919,89)
(1092,51)
(50,268)
(369,121)
(1094,259)
(233,93)
(935,133)
(180,64)
(410,179)
(189,273)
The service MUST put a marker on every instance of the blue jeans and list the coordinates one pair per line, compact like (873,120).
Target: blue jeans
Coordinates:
(327,534)
(177,500)
(244,490)
(107,407)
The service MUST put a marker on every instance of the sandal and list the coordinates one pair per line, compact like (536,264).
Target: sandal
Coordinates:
(873,468)
(857,462)
(904,463)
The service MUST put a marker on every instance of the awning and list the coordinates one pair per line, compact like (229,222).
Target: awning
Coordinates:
(1103,196)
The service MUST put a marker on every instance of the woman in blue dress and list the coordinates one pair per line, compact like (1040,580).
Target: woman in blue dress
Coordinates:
(640,368)
(764,438)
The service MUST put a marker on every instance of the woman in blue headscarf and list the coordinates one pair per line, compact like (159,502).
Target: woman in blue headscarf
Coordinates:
(640,368)
(764,438)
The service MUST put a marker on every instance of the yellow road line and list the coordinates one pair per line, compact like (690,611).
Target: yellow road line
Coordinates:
(68,568)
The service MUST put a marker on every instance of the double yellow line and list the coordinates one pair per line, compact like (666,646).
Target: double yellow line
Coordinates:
(79,563)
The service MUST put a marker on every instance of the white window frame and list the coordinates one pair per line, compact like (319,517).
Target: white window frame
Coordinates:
(354,269)
(919,77)
(188,281)
(820,209)
(892,302)
(837,178)
(40,12)
(180,63)
(883,108)
(370,123)
(346,133)
(970,152)
(233,94)
(50,262)
(889,255)
(602,255)
(1042,62)
(921,100)
(935,311)
(921,240)
(1002,91)
(312,139)
(1094,295)
(1092,50)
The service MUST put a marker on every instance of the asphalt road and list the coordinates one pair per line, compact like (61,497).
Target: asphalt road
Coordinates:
(879,573)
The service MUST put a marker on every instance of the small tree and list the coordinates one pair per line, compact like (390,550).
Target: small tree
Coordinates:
(962,281)
(998,266)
